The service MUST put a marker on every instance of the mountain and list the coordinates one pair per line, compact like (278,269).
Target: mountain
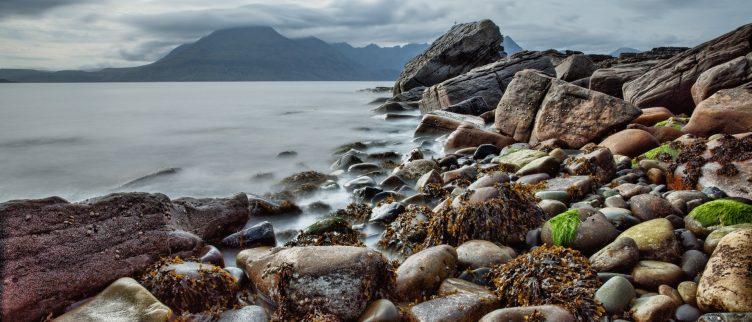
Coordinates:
(622,50)
(510,47)
(246,54)
(386,61)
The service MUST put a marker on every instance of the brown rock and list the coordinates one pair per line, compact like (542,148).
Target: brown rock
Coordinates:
(594,232)
(458,300)
(652,274)
(482,253)
(468,136)
(669,83)
(60,252)
(630,142)
(575,67)
(652,115)
(727,75)
(728,111)
(620,255)
(549,313)
(599,164)
(515,114)
(653,308)
(610,80)
(421,274)
(726,283)
(648,206)
(211,218)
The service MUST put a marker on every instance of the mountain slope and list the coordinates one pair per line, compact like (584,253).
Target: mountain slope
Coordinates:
(385,61)
(510,46)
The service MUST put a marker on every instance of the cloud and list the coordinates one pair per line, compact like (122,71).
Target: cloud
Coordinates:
(32,7)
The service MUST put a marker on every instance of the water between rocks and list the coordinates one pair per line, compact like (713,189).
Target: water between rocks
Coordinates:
(78,141)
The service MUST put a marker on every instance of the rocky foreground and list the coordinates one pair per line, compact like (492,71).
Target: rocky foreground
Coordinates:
(571,187)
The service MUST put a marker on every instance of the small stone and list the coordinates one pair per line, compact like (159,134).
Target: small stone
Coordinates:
(359,182)
(687,313)
(672,293)
(693,262)
(652,274)
(485,150)
(420,275)
(653,308)
(615,202)
(688,292)
(552,207)
(621,255)
(482,253)
(615,294)
(387,213)
(250,313)
(261,234)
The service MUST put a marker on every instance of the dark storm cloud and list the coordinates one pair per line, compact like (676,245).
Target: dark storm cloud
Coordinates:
(32,7)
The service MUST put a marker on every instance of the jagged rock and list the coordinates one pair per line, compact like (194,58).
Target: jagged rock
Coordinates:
(333,280)
(123,300)
(669,83)
(560,110)
(211,218)
(575,67)
(599,164)
(727,75)
(726,283)
(728,111)
(488,82)
(462,48)
(610,80)
(471,106)
(60,252)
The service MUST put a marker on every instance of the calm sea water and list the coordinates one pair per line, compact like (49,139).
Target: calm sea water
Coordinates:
(83,140)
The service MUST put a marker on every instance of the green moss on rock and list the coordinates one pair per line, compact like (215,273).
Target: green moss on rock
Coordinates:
(723,211)
(667,152)
(564,227)
(672,122)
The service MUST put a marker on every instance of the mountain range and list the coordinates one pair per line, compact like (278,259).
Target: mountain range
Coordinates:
(622,50)
(248,54)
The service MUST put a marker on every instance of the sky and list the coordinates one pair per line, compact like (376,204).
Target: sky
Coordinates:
(91,34)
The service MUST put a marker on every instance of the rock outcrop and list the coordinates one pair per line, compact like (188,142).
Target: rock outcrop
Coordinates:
(461,49)
(211,218)
(727,75)
(59,252)
(669,83)
(728,111)
(575,67)
(611,80)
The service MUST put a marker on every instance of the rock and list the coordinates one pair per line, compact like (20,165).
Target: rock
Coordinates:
(482,253)
(586,232)
(599,164)
(448,55)
(648,206)
(471,106)
(533,178)
(261,234)
(656,176)
(468,172)
(477,121)
(458,300)
(59,252)
(727,75)
(687,313)
(575,186)
(669,83)
(359,182)
(620,255)
(413,170)
(672,293)
(420,275)
(615,294)
(333,280)
(652,115)
(211,218)
(558,195)
(489,82)
(250,313)
(650,274)
(552,207)
(726,282)
(392,107)
(629,190)
(430,178)
(386,213)
(485,150)
(363,168)
(653,308)
(547,164)
(688,292)
(382,310)
(610,80)
(706,217)
(711,242)
(306,182)
(630,142)
(725,317)
(573,114)
(434,125)
(616,201)
(693,262)
(392,183)
(575,67)
(729,111)
(123,300)
(655,239)
(519,158)
(468,136)
(211,255)
(550,313)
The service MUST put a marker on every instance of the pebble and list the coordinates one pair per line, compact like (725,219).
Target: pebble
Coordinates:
(615,202)
(687,313)
(615,294)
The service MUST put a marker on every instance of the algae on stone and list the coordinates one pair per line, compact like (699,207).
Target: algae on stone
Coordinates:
(564,227)
(671,122)
(667,152)
(723,211)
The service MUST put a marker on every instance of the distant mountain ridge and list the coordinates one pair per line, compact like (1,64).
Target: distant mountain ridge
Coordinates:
(510,46)
(248,54)
(622,50)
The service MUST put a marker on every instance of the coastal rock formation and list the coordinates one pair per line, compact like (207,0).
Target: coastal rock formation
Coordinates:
(563,111)
(462,48)
(575,67)
(727,75)
(669,83)
(211,218)
(611,80)
(488,82)
(59,252)
(728,111)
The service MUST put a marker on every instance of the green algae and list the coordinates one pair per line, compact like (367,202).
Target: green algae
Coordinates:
(564,227)
(723,211)
(667,152)
(671,122)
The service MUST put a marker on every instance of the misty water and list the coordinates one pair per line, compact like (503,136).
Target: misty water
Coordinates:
(78,141)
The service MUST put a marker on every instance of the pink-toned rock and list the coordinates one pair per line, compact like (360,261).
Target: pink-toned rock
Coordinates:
(469,136)
(727,75)
(652,115)
(630,142)
(728,111)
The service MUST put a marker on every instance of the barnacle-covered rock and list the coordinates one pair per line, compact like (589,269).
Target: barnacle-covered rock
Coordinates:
(551,275)
(328,232)
(191,287)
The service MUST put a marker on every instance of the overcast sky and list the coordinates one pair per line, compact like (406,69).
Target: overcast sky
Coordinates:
(64,34)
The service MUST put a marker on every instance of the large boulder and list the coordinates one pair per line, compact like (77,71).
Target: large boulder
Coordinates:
(563,111)
(575,67)
(610,80)
(59,252)
(337,281)
(469,136)
(630,142)
(726,284)
(488,82)
(669,83)
(727,75)
(728,111)
(211,218)
(462,48)
(472,106)
(457,300)
(421,274)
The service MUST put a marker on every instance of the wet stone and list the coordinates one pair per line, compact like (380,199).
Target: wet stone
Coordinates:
(261,234)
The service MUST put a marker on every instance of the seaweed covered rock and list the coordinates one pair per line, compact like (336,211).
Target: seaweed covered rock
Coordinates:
(320,281)
(503,219)
(598,164)
(406,234)
(305,182)
(722,212)
(329,231)
(551,275)
(655,239)
(580,229)
(191,287)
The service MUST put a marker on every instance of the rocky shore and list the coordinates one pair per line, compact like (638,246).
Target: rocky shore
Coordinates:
(543,186)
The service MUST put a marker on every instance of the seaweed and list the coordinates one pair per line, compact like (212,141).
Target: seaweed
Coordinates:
(550,275)
(357,212)
(327,232)
(304,182)
(729,149)
(722,211)
(564,227)
(406,234)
